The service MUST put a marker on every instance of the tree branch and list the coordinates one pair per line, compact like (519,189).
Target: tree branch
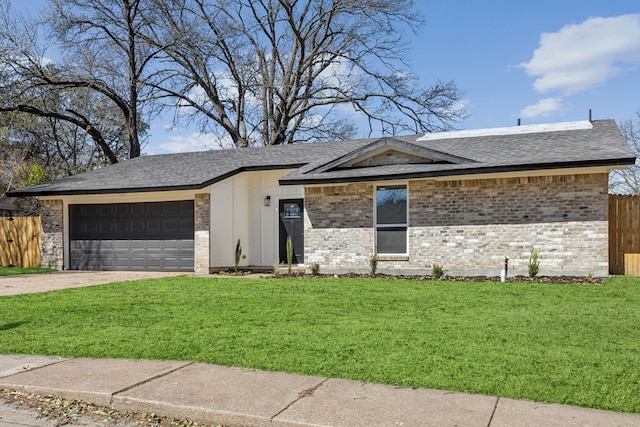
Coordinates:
(75,118)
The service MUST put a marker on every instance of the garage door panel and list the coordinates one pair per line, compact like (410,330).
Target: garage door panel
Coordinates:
(154,226)
(84,255)
(132,255)
(138,225)
(138,209)
(155,245)
(187,224)
(155,210)
(140,245)
(132,236)
(170,226)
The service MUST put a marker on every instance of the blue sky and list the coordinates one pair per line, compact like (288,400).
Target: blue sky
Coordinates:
(581,62)
(541,61)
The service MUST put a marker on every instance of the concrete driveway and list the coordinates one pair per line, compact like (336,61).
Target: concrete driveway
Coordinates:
(32,283)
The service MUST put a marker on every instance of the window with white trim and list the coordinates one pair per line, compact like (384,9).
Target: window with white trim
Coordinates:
(391,219)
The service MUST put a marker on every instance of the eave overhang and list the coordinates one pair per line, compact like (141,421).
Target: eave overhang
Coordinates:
(150,189)
(455,173)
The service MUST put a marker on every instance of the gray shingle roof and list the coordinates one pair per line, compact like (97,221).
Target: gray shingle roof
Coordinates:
(603,145)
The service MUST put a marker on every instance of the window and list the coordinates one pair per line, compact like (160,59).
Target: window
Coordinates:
(292,210)
(391,219)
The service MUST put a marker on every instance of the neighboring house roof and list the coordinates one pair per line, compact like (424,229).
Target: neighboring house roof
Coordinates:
(536,147)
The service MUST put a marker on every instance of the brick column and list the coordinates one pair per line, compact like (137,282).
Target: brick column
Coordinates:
(201,243)
(52,255)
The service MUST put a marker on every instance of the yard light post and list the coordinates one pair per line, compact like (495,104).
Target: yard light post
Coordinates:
(505,270)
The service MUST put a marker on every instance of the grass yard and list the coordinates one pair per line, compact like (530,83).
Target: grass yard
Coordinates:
(10,271)
(573,344)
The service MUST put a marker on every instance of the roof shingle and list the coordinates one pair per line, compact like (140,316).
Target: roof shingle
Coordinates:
(600,145)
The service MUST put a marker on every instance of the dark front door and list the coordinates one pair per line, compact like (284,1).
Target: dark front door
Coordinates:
(291,224)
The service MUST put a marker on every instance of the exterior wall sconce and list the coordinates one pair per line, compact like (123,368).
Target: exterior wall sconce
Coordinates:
(267,201)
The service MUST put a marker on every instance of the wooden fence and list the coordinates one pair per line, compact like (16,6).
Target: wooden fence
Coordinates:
(624,234)
(20,241)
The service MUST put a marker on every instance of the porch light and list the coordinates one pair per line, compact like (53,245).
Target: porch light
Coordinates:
(267,201)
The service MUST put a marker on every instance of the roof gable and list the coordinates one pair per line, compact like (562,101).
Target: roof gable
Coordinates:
(387,156)
(388,151)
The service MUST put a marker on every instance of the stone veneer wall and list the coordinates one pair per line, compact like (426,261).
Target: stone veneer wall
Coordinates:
(469,226)
(52,255)
(202,241)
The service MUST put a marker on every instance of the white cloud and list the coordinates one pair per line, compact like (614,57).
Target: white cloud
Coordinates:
(544,107)
(582,56)
(187,143)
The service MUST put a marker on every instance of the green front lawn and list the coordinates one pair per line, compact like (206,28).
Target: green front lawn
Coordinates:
(10,271)
(575,344)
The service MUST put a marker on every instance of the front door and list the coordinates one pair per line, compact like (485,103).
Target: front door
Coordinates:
(291,224)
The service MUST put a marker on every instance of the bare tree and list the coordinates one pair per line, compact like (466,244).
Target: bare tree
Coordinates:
(255,72)
(62,140)
(284,71)
(627,181)
(102,54)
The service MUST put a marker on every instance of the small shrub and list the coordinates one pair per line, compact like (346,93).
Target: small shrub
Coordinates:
(373,262)
(315,269)
(276,269)
(534,263)
(289,248)
(237,256)
(438,271)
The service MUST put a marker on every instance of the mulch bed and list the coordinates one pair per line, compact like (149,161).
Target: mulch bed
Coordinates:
(510,279)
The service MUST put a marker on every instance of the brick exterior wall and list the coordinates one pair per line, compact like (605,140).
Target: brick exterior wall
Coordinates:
(52,255)
(201,238)
(469,226)
(338,233)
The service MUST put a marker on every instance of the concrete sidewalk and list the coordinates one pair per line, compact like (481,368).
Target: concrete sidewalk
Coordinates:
(243,397)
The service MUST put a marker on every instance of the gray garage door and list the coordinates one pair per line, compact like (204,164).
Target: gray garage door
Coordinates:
(155,236)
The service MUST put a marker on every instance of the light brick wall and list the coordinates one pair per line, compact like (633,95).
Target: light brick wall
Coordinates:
(338,231)
(201,238)
(470,226)
(52,255)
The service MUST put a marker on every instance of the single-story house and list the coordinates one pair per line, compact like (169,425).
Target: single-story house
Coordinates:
(463,200)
